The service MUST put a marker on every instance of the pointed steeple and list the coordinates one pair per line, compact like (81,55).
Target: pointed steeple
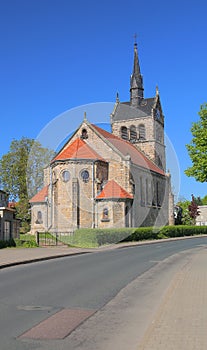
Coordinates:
(136,81)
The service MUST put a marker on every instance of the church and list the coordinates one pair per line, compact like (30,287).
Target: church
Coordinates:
(102,179)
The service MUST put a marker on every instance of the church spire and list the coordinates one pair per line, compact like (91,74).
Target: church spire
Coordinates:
(136,81)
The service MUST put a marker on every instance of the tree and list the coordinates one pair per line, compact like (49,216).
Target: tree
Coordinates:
(193,209)
(204,200)
(184,204)
(197,149)
(21,173)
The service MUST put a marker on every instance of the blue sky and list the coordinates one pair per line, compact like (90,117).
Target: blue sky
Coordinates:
(57,55)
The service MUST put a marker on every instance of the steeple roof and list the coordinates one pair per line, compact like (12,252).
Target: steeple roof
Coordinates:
(136,81)
(136,69)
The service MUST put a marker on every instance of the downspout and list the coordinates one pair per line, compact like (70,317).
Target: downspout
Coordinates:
(50,202)
(93,196)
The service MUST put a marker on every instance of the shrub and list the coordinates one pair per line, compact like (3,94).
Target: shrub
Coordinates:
(26,241)
(92,238)
(6,244)
(144,233)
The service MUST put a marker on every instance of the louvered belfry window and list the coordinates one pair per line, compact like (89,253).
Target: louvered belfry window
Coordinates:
(142,133)
(124,133)
(133,133)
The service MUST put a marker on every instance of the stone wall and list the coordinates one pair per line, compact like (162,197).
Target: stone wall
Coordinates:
(153,144)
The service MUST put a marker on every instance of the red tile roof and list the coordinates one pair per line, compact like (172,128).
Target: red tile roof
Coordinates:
(126,148)
(40,196)
(78,149)
(113,190)
(12,205)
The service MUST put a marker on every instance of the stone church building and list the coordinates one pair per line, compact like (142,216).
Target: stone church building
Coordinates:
(102,179)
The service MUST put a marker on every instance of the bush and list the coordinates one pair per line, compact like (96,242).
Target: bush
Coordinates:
(6,244)
(26,241)
(144,233)
(111,236)
(92,238)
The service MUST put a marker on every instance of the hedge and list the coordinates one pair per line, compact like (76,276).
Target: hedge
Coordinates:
(91,238)
(144,233)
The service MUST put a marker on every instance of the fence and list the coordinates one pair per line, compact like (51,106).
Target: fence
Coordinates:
(53,239)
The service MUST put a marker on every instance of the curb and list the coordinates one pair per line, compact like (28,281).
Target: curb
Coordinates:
(44,258)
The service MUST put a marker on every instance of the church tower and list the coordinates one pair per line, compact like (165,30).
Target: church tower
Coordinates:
(141,120)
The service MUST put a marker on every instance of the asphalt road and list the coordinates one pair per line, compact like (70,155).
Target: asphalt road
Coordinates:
(34,292)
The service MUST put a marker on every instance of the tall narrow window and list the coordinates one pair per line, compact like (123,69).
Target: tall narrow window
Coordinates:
(105,214)
(147,192)
(158,194)
(133,133)
(142,199)
(124,133)
(142,133)
(39,217)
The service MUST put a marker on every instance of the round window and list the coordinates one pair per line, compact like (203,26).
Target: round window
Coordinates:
(84,175)
(65,175)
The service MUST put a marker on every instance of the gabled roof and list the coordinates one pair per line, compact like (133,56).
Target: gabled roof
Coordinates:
(40,196)
(126,148)
(78,149)
(113,190)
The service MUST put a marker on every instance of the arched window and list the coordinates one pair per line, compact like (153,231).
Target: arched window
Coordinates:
(84,134)
(133,133)
(39,217)
(105,214)
(124,133)
(65,175)
(142,133)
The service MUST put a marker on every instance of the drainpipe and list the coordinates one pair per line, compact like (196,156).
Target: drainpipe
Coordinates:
(93,196)
(51,201)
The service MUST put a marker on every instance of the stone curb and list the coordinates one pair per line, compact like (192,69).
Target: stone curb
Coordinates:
(43,258)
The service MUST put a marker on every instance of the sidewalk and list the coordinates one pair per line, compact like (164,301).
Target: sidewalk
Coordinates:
(14,256)
(181,321)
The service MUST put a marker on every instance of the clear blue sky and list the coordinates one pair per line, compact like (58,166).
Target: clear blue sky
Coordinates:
(60,54)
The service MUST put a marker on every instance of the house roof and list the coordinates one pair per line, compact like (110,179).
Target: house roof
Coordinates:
(126,148)
(113,190)
(40,196)
(78,149)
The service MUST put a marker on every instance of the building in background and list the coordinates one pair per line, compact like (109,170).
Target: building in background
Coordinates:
(9,225)
(201,219)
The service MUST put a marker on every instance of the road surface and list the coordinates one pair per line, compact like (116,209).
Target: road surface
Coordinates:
(115,291)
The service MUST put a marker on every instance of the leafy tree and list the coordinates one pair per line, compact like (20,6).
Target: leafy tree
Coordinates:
(193,209)
(197,149)
(184,204)
(21,173)
(198,200)
(204,200)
